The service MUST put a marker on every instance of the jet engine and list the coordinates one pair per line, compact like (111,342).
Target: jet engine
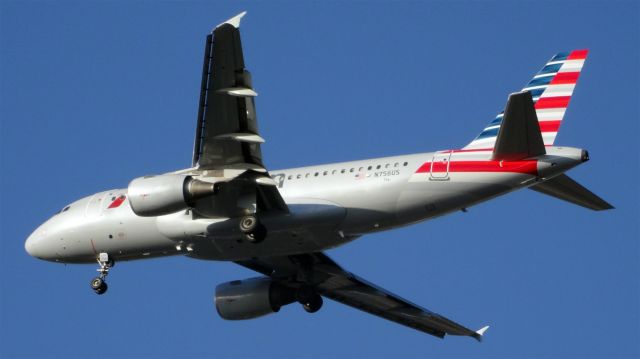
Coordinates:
(164,194)
(251,298)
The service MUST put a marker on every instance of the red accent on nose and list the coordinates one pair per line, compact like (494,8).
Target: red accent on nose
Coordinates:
(117,202)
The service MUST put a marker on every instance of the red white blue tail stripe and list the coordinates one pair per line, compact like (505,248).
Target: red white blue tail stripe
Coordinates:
(551,89)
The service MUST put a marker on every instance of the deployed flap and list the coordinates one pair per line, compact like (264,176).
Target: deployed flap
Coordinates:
(566,189)
(227,131)
(333,282)
(519,135)
(268,198)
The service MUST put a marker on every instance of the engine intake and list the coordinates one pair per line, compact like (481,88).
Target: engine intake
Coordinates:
(159,195)
(251,298)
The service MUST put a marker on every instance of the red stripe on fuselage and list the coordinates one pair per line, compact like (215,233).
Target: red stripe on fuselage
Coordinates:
(527,166)
(473,150)
(553,102)
(565,78)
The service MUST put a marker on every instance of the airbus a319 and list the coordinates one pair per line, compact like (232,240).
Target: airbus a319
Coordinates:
(229,207)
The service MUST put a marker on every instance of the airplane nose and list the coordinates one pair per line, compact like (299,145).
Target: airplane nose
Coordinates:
(30,245)
(36,244)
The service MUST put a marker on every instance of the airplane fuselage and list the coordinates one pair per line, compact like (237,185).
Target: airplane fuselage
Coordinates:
(329,205)
(229,207)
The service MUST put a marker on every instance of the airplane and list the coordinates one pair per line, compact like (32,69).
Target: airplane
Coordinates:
(229,207)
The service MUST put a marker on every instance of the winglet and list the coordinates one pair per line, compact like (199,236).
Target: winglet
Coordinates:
(480,332)
(234,21)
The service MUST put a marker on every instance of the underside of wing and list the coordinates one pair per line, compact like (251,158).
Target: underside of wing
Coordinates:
(333,282)
(227,141)
(227,131)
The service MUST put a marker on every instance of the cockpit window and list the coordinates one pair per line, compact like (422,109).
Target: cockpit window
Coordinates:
(64,209)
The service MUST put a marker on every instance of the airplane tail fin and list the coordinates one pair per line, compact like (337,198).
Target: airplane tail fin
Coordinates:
(566,189)
(551,89)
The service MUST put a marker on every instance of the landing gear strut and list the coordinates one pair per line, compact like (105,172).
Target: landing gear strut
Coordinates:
(98,284)
(252,229)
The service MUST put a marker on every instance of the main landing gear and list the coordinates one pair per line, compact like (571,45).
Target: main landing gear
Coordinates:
(252,229)
(310,300)
(98,284)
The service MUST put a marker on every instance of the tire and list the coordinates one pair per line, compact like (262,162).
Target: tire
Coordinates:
(313,305)
(102,289)
(96,283)
(248,224)
(256,236)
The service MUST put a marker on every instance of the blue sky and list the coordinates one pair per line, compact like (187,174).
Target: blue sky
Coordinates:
(95,94)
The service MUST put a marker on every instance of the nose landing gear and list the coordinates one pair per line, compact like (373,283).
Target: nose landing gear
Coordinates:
(98,284)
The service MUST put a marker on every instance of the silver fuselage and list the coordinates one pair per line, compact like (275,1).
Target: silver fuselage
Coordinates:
(329,205)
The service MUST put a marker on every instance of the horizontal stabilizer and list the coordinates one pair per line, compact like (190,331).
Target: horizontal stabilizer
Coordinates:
(566,189)
(519,136)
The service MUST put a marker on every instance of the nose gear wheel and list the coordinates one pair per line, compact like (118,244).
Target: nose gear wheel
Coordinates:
(99,284)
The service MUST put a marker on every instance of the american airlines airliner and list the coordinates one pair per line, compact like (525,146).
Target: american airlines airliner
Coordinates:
(229,207)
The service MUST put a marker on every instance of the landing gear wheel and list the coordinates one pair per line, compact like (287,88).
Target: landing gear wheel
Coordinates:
(258,235)
(313,304)
(252,229)
(248,224)
(96,283)
(99,285)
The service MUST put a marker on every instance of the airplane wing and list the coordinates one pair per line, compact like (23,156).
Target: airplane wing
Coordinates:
(226,132)
(333,282)
(227,135)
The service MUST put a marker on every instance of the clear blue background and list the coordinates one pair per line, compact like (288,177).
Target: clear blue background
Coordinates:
(95,94)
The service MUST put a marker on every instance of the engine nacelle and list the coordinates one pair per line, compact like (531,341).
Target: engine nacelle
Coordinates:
(251,298)
(165,194)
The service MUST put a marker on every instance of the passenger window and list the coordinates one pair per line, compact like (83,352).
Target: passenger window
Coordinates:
(386,166)
(289,177)
(352,169)
(307,175)
(324,173)
(406,163)
(396,164)
(334,172)
(316,174)
(378,167)
(298,176)
(369,168)
(342,171)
